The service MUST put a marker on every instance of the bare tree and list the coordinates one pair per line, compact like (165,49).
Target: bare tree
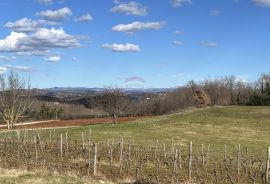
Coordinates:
(230,83)
(112,101)
(15,98)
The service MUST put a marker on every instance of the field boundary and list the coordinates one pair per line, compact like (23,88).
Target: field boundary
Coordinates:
(52,124)
(30,123)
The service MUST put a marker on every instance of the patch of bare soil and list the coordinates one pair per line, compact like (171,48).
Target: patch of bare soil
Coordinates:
(77,122)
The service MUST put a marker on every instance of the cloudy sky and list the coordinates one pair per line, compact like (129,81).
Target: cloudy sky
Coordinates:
(136,43)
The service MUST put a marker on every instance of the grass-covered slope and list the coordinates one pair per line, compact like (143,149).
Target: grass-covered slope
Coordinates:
(248,126)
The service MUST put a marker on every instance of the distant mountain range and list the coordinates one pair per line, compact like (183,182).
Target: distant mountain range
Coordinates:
(93,91)
(70,94)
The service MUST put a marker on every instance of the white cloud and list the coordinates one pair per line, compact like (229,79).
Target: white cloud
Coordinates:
(128,47)
(131,8)
(24,25)
(214,12)
(52,38)
(209,44)
(12,42)
(138,26)
(41,41)
(53,59)
(178,32)
(83,18)
(19,68)
(57,15)
(45,2)
(176,42)
(178,3)
(6,58)
(264,3)
(34,53)
(50,23)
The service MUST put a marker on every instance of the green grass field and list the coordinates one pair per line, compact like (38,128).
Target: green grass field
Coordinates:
(217,126)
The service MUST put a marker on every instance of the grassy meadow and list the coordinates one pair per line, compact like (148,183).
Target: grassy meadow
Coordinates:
(217,126)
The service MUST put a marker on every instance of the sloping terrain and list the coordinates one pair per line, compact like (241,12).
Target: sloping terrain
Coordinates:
(217,126)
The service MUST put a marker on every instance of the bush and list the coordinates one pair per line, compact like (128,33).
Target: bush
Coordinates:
(259,100)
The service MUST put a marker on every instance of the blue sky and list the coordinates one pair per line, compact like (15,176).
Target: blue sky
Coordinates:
(136,43)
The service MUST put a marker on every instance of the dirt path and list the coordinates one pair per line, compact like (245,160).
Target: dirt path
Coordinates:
(29,123)
(68,123)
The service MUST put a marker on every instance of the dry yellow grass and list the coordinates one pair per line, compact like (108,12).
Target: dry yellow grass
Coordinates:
(18,176)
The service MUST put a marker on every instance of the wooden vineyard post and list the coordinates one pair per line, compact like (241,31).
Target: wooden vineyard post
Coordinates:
(203,159)
(190,161)
(39,139)
(24,136)
(207,160)
(61,146)
(121,154)
(156,147)
(89,138)
(238,162)
(82,140)
(36,150)
(95,159)
(225,152)
(128,156)
(89,152)
(18,135)
(164,151)
(66,142)
(180,156)
(246,164)
(85,137)
(111,154)
(50,137)
(129,151)
(175,162)
(89,160)
(267,166)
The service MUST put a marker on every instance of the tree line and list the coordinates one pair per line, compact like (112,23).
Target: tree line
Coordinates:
(17,99)
(220,91)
